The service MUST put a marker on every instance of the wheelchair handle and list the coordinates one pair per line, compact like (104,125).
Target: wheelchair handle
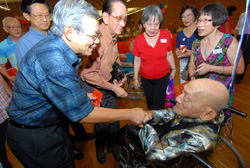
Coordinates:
(236,111)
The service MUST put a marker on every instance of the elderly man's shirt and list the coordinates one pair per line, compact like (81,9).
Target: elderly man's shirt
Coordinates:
(27,42)
(47,88)
(99,72)
(196,139)
(7,52)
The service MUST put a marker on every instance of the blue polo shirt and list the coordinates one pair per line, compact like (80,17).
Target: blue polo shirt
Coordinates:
(27,42)
(7,52)
(46,87)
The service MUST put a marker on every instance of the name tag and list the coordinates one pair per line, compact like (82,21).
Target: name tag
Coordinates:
(164,41)
(217,51)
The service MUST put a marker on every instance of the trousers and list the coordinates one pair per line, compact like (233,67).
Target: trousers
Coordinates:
(155,91)
(41,147)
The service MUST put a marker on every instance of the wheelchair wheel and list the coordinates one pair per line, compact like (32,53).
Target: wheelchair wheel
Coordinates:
(129,87)
(232,159)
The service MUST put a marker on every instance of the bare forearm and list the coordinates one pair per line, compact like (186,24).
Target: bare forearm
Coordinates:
(107,115)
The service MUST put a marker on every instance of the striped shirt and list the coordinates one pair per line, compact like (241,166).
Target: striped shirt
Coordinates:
(46,87)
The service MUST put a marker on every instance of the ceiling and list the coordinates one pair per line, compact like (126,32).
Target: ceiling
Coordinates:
(130,10)
(9,1)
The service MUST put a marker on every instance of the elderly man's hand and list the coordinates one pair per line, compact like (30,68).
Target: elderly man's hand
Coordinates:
(140,117)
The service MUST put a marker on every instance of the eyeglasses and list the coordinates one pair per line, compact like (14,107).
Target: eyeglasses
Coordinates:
(188,16)
(93,37)
(119,18)
(40,16)
(152,24)
(13,27)
(205,21)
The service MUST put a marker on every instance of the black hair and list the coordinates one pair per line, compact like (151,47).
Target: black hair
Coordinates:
(217,11)
(107,5)
(187,6)
(25,5)
(231,9)
(140,22)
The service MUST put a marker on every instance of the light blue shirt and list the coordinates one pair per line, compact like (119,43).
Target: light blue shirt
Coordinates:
(7,52)
(27,42)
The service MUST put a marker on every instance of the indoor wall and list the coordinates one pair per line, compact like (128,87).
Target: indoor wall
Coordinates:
(171,16)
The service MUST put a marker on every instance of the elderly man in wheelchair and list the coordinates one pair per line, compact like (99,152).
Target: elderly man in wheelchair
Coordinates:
(191,126)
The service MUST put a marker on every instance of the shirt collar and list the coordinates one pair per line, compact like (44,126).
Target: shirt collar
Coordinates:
(71,56)
(37,32)
(9,41)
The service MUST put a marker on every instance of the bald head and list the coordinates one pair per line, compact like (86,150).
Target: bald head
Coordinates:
(211,93)
(202,98)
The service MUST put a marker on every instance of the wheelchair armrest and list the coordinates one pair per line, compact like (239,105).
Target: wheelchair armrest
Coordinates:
(133,137)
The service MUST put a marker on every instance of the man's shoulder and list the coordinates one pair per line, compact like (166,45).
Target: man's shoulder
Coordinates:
(3,43)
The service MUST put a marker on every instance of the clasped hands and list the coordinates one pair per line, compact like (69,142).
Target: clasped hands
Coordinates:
(140,117)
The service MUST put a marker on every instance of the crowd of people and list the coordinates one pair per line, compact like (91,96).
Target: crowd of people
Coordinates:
(58,70)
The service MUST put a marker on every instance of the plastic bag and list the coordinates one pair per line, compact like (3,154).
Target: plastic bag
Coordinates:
(170,93)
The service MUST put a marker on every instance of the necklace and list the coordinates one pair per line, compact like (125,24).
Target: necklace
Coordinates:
(205,51)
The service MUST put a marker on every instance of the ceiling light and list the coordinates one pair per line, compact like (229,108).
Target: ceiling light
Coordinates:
(5,7)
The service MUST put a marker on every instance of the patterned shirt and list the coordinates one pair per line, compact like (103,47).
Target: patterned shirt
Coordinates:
(7,52)
(199,138)
(27,42)
(46,87)
(218,58)
(4,102)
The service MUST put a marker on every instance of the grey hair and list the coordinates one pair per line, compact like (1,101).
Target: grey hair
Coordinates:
(72,13)
(8,17)
(151,12)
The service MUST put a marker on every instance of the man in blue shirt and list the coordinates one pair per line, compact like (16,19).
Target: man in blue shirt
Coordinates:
(7,47)
(37,12)
(47,89)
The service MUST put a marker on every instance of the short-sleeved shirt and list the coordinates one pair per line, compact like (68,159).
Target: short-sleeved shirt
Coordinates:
(7,52)
(27,42)
(154,63)
(47,88)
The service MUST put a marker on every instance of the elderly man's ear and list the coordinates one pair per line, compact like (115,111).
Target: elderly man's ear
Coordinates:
(69,33)
(209,114)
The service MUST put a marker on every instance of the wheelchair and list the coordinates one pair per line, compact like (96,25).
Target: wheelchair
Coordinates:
(129,87)
(131,153)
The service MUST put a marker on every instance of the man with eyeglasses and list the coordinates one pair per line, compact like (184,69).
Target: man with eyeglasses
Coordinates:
(7,47)
(98,75)
(47,90)
(38,13)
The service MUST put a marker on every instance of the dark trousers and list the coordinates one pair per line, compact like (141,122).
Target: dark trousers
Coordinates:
(3,157)
(246,54)
(155,91)
(105,133)
(41,147)
(79,130)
